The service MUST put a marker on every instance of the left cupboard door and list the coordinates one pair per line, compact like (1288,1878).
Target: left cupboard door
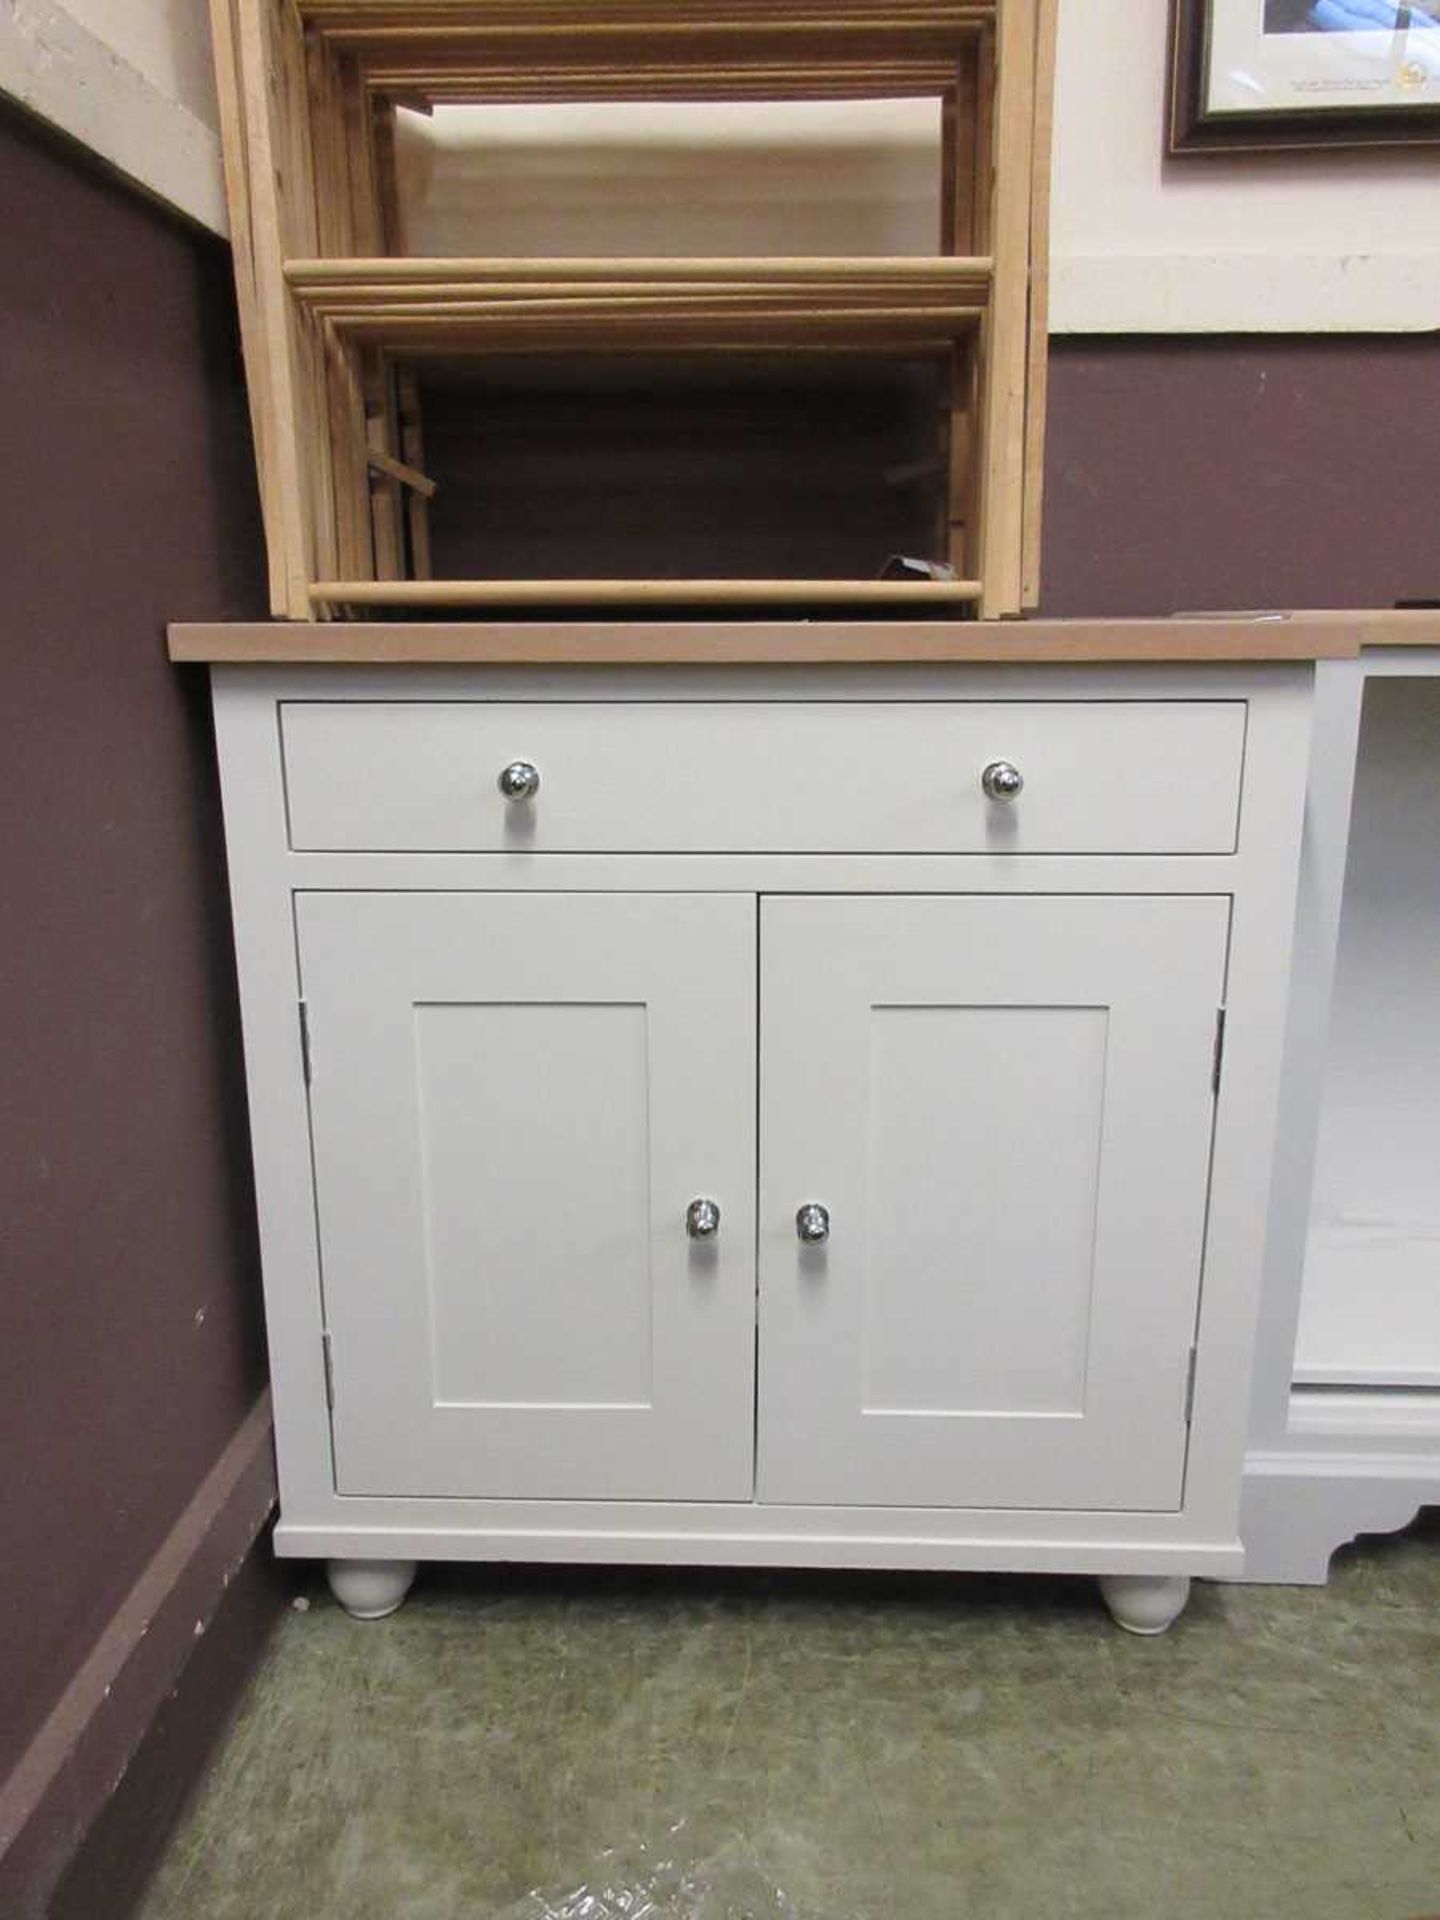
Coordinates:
(514,1100)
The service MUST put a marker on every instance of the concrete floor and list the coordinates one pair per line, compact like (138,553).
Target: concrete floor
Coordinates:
(835,1748)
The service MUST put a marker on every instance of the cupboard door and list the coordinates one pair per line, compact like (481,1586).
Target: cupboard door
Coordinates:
(1005,1104)
(514,1099)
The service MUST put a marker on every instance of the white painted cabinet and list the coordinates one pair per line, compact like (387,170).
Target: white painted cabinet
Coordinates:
(983,1287)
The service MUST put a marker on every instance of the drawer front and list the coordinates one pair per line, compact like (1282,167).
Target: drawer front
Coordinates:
(803,777)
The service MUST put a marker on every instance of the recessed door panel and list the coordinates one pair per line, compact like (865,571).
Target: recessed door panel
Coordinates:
(514,1099)
(952,1089)
(1005,1106)
(553,1085)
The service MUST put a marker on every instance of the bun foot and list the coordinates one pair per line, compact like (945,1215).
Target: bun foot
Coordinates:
(1144,1603)
(370,1589)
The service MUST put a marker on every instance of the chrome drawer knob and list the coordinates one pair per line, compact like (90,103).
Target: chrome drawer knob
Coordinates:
(1001,780)
(702,1219)
(520,780)
(812,1224)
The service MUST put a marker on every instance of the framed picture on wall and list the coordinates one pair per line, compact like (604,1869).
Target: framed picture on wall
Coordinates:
(1246,75)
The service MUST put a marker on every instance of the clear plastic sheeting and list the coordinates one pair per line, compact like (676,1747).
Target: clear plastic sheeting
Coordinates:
(673,1880)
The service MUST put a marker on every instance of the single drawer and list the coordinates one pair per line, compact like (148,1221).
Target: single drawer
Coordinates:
(803,777)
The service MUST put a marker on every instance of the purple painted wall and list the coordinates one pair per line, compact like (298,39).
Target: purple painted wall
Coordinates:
(129,1309)
(1259,472)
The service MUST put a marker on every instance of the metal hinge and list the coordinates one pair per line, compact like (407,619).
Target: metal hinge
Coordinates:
(329,1371)
(1190,1386)
(1219,1053)
(305,1041)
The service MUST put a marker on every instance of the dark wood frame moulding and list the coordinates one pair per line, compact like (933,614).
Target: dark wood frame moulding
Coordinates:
(1189,132)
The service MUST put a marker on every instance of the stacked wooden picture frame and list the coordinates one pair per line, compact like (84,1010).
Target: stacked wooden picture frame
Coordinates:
(335,317)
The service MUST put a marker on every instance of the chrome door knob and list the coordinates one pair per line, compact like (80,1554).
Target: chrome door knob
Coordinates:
(1001,780)
(702,1219)
(812,1224)
(519,781)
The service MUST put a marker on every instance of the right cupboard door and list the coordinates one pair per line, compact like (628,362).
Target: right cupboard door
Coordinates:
(1005,1105)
